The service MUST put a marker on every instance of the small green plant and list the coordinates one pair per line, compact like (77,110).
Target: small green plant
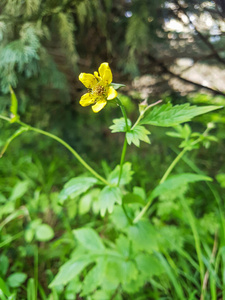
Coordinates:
(126,250)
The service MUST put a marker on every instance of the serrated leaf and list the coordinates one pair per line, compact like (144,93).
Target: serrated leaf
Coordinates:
(177,180)
(139,133)
(116,86)
(108,197)
(75,187)
(168,115)
(126,176)
(120,125)
(89,239)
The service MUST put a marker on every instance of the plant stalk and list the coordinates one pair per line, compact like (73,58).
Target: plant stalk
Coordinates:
(62,142)
(125,140)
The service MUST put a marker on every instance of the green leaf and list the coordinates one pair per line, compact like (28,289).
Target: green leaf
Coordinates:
(19,190)
(168,115)
(177,180)
(120,125)
(108,197)
(102,295)
(129,271)
(4,287)
(31,290)
(139,133)
(221,179)
(133,198)
(70,270)
(143,236)
(89,239)
(75,187)
(94,277)
(44,233)
(116,86)
(4,264)
(14,106)
(126,176)
(17,279)
(123,245)
(140,192)
(148,265)
(88,200)
(74,287)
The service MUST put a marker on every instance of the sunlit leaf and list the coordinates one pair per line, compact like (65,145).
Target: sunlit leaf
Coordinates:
(75,187)
(176,181)
(139,133)
(89,239)
(126,176)
(168,115)
(120,125)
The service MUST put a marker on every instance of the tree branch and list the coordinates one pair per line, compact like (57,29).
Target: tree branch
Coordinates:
(166,70)
(202,37)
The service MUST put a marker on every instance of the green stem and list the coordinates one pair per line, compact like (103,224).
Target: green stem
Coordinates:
(122,160)
(5,118)
(125,140)
(75,154)
(143,211)
(168,171)
(54,137)
(124,113)
(143,112)
(123,154)
(173,164)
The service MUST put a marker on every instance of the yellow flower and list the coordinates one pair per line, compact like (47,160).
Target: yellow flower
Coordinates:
(99,89)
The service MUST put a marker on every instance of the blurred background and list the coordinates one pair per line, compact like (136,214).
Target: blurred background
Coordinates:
(169,50)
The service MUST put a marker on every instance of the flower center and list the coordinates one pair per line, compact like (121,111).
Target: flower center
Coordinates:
(99,90)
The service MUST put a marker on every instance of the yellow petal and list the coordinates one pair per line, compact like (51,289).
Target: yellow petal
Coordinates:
(96,75)
(99,105)
(88,80)
(105,73)
(87,99)
(112,93)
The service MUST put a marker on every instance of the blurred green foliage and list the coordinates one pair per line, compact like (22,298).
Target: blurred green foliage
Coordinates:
(43,47)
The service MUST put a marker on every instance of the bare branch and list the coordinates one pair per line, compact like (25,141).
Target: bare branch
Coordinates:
(165,69)
(202,37)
